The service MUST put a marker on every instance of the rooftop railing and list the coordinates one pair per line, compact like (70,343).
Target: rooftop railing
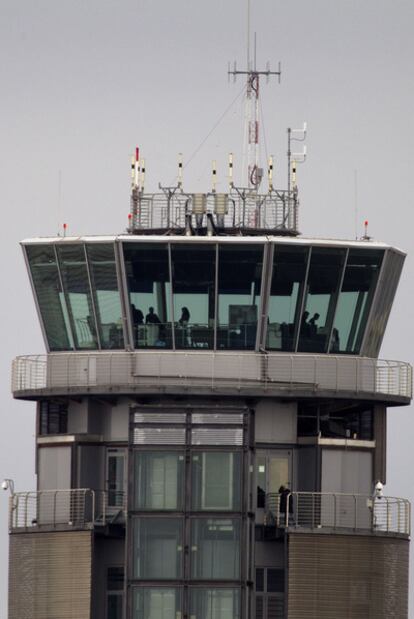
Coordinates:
(239,371)
(80,508)
(341,512)
(239,210)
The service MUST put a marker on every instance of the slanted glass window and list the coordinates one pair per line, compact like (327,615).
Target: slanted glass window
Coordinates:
(148,277)
(322,290)
(336,421)
(239,285)
(215,603)
(159,479)
(78,293)
(215,546)
(360,280)
(50,297)
(216,481)
(158,548)
(156,603)
(193,274)
(289,271)
(114,592)
(106,295)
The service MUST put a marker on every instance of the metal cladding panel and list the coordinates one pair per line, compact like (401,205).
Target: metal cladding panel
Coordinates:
(342,576)
(50,575)
(383,300)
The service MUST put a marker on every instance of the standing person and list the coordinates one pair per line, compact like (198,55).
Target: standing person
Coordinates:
(137,315)
(151,318)
(285,504)
(185,316)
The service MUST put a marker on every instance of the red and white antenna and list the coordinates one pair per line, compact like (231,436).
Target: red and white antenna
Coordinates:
(254,172)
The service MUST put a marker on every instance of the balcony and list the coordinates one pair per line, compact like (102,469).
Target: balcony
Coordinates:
(337,512)
(63,510)
(276,374)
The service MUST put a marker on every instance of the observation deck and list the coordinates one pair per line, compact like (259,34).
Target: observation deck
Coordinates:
(146,372)
(320,512)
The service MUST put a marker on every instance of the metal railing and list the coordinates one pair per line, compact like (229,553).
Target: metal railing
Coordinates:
(80,508)
(274,211)
(318,510)
(241,371)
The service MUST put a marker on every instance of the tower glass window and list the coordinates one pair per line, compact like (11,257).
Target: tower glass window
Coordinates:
(50,297)
(215,545)
(215,603)
(156,603)
(322,289)
(158,547)
(216,481)
(149,286)
(159,480)
(288,278)
(193,274)
(75,279)
(106,294)
(114,592)
(355,299)
(239,285)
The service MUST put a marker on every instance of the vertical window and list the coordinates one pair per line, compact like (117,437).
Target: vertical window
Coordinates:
(114,592)
(288,278)
(216,481)
(156,603)
(215,545)
(159,480)
(116,478)
(322,288)
(53,418)
(239,285)
(358,287)
(106,294)
(76,285)
(50,297)
(193,269)
(148,277)
(270,588)
(215,603)
(158,548)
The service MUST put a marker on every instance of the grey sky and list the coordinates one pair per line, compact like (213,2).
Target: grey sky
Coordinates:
(82,82)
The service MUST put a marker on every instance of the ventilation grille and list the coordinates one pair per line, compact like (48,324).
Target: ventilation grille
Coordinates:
(217,418)
(159,436)
(217,436)
(159,418)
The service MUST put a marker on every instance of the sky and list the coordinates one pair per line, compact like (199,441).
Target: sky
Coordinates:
(83,82)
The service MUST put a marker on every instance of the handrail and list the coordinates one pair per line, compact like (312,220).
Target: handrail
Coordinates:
(334,373)
(338,511)
(74,508)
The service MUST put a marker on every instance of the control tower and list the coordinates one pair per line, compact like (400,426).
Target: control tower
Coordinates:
(211,418)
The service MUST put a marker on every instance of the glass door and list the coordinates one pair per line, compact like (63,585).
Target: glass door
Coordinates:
(116,479)
(273,470)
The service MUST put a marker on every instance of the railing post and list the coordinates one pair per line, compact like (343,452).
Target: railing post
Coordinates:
(54,508)
(25,511)
(355,512)
(388,515)
(313,510)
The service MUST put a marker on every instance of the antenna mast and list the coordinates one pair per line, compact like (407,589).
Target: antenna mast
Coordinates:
(252,73)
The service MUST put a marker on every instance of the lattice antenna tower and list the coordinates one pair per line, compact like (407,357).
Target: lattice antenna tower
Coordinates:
(253,74)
